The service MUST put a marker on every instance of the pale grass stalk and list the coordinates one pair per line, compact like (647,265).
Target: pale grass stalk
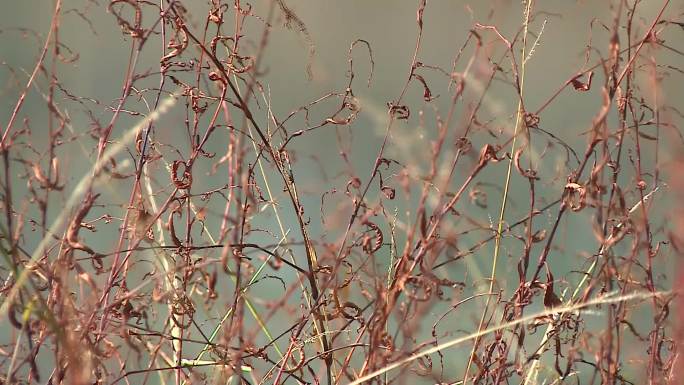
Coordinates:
(603,300)
(608,243)
(532,372)
(162,260)
(504,199)
(81,188)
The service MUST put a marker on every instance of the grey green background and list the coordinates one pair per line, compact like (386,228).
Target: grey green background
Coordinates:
(390,28)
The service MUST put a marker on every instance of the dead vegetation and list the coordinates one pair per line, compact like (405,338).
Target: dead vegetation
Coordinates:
(181,236)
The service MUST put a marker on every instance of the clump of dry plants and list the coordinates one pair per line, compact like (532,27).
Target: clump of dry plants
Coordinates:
(190,232)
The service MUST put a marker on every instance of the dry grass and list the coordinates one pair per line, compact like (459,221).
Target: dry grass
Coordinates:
(192,233)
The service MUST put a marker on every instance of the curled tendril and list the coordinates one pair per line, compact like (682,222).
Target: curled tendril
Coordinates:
(177,45)
(299,364)
(135,29)
(369,246)
(232,54)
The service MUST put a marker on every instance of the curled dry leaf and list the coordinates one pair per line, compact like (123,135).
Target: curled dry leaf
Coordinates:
(184,182)
(177,46)
(551,300)
(389,192)
(527,173)
(210,279)
(339,121)
(133,29)
(531,120)
(372,244)
(216,15)
(488,154)
(578,85)
(354,182)
(172,228)
(427,94)
(539,236)
(76,224)
(348,310)
(215,77)
(464,145)
(574,196)
(220,39)
(398,111)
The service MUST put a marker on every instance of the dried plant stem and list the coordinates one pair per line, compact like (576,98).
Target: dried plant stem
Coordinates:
(500,223)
